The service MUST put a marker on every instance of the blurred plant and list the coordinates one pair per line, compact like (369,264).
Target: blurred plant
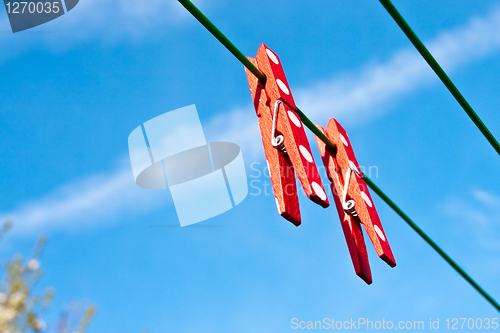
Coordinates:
(20,310)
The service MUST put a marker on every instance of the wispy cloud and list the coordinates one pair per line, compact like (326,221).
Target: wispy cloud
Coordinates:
(116,17)
(110,22)
(87,202)
(353,96)
(359,96)
(239,126)
(362,95)
(121,19)
(477,217)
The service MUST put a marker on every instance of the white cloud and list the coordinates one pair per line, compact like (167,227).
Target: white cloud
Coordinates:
(352,96)
(362,95)
(356,97)
(87,202)
(110,22)
(477,218)
(486,198)
(465,44)
(98,18)
(119,19)
(239,126)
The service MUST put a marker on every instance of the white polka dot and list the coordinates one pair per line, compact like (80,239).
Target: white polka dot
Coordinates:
(282,86)
(272,56)
(353,166)
(306,153)
(277,204)
(294,119)
(319,191)
(367,200)
(379,232)
(344,141)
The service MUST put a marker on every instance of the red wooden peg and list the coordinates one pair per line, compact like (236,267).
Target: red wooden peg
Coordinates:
(290,126)
(285,141)
(351,226)
(280,167)
(353,199)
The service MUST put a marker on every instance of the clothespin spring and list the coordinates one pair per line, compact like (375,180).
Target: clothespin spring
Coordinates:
(349,206)
(278,142)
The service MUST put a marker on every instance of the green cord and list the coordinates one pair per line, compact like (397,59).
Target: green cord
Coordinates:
(218,34)
(429,241)
(237,53)
(440,73)
(223,39)
(309,124)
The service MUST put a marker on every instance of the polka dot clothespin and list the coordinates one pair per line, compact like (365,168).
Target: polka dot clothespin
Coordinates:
(285,142)
(354,203)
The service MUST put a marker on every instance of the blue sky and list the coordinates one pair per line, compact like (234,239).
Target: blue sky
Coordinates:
(73,90)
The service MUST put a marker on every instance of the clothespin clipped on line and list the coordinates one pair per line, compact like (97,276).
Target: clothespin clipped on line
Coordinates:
(402,23)
(285,142)
(354,203)
(287,151)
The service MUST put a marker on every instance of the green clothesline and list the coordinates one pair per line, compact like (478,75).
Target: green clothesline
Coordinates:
(440,73)
(309,124)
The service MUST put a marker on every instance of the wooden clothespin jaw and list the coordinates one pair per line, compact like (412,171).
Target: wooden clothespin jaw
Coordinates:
(285,142)
(354,203)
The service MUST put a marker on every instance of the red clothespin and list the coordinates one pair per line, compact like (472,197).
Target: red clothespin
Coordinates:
(354,203)
(285,142)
